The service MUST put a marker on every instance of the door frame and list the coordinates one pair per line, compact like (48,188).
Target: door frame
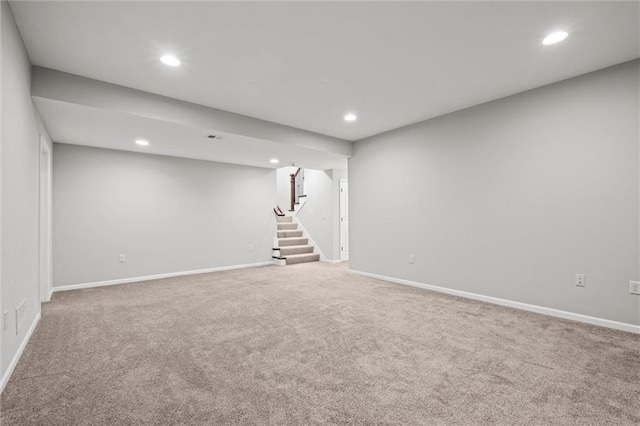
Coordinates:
(343,207)
(45,275)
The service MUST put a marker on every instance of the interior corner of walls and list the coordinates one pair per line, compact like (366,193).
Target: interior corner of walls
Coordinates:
(42,128)
(20,204)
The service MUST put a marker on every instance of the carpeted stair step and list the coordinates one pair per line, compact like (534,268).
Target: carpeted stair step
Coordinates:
(281,219)
(302,258)
(296,241)
(287,225)
(290,250)
(290,233)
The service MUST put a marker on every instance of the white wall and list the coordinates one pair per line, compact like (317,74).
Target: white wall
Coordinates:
(2,37)
(336,176)
(164,214)
(320,213)
(19,190)
(512,198)
(284,187)
(317,213)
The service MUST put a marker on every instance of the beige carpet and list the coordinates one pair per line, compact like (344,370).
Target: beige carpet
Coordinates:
(313,344)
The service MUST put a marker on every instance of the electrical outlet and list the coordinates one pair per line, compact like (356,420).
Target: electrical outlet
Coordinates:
(412,259)
(580,281)
(250,247)
(5,319)
(121,258)
(634,287)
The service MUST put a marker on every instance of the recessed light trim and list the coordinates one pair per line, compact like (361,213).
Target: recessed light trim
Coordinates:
(350,117)
(170,60)
(142,142)
(274,161)
(554,38)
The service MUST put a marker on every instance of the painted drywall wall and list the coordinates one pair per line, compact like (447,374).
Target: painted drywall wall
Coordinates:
(283,190)
(317,213)
(511,199)
(165,214)
(2,24)
(19,190)
(320,213)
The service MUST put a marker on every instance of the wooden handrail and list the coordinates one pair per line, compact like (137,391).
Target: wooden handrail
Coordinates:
(294,196)
(293,192)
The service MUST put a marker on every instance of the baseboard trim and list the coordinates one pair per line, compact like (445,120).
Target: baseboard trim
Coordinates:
(511,304)
(157,277)
(14,361)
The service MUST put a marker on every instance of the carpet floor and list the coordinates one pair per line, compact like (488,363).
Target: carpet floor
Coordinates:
(313,344)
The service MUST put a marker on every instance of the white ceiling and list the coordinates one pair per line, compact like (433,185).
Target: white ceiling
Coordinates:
(307,64)
(81,125)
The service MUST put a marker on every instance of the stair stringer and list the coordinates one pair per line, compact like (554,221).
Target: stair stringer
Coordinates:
(305,234)
(298,207)
(277,262)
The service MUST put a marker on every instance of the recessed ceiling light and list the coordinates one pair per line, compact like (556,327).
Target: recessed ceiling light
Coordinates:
(172,61)
(142,142)
(350,117)
(554,38)
(274,161)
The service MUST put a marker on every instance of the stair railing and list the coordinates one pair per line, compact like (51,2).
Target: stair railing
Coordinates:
(297,182)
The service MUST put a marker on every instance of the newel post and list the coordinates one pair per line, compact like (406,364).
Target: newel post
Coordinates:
(293,192)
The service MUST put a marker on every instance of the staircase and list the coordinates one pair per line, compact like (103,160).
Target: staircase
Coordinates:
(291,247)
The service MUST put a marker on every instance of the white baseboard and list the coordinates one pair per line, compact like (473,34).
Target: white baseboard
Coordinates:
(332,261)
(157,277)
(511,304)
(14,361)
